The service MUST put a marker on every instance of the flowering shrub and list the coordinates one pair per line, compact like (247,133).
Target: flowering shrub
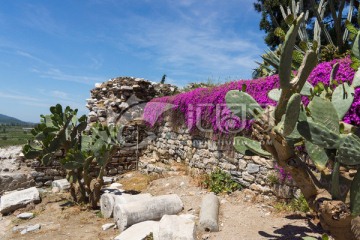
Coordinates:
(206,106)
(282,174)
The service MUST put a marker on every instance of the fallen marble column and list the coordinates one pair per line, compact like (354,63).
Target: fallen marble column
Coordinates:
(108,201)
(209,213)
(154,208)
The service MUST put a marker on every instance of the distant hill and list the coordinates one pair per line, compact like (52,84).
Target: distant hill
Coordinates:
(6,120)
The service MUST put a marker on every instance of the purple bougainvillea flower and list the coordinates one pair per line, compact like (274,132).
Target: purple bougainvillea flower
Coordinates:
(207,107)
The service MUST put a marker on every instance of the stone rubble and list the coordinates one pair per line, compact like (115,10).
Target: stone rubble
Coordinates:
(14,174)
(18,199)
(61,184)
(25,215)
(139,231)
(176,227)
(107,226)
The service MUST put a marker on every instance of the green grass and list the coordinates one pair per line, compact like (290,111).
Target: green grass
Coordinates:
(295,204)
(13,135)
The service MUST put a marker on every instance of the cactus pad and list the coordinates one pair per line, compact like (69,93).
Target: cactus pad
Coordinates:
(292,114)
(274,94)
(349,150)
(317,155)
(356,80)
(342,98)
(355,195)
(323,112)
(318,134)
(238,102)
(286,56)
(243,144)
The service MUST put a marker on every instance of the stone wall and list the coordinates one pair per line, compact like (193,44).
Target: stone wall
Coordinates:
(204,154)
(123,99)
(118,101)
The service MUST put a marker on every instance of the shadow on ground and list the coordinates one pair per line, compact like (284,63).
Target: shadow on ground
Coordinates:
(291,232)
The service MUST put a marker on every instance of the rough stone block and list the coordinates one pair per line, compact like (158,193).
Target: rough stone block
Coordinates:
(13,181)
(253,168)
(175,227)
(62,184)
(139,231)
(15,200)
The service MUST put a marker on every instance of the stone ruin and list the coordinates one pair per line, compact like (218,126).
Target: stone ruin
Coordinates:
(121,100)
(118,101)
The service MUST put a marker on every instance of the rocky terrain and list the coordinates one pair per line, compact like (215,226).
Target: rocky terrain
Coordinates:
(242,214)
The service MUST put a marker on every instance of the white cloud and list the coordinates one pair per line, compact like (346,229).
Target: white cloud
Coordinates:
(56,74)
(59,94)
(195,42)
(18,96)
(30,56)
(41,18)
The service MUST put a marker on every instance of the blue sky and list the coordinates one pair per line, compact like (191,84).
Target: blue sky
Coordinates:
(55,51)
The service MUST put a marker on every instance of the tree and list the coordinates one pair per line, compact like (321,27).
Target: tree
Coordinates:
(333,146)
(271,18)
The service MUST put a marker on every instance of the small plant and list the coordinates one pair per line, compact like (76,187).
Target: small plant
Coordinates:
(221,182)
(300,204)
(323,237)
(4,138)
(149,237)
(283,176)
(294,205)
(163,79)
(273,179)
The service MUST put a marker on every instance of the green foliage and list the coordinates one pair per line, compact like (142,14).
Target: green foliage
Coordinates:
(298,204)
(13,135)
(273,179)
(221,182)
(286,59)
(204,84)
(163,79)
(292,114)
(238,101)
(342,98)
(62,131)
(323,237)
(249,147)
(280,16)
(326,142)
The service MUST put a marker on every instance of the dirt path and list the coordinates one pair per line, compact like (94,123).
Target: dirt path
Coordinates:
(240,217)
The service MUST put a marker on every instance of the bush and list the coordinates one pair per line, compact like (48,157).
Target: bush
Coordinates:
(221,182)
(294,205)
(184,105)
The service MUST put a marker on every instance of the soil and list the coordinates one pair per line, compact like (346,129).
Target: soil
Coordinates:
(243,215)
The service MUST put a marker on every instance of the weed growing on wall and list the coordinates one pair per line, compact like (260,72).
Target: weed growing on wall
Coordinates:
(221,182)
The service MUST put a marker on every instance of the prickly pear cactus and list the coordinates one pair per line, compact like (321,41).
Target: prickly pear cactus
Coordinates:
(317,127)
(59,130)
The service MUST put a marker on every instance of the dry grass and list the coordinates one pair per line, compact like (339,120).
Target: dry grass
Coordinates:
(198,177)
(138,181)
